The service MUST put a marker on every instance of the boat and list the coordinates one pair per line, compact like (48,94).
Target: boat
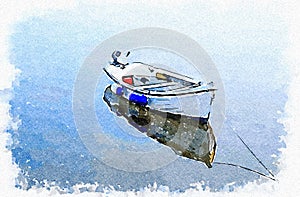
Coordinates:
(148,95)
(161,89)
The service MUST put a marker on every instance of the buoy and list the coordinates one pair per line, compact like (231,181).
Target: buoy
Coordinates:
(138,99)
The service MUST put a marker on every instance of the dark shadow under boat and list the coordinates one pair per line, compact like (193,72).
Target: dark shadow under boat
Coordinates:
(190,137)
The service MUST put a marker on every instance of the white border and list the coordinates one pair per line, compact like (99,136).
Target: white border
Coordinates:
(289,175)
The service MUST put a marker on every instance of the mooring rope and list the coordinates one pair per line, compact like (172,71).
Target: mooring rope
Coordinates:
(245,168)
(261,163)
(272,177)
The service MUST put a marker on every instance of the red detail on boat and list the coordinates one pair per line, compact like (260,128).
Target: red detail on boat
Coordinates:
(128,80)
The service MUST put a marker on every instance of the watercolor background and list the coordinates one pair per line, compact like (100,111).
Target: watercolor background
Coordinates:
(250,45)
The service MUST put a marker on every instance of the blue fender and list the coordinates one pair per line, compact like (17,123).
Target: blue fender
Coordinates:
(138,99)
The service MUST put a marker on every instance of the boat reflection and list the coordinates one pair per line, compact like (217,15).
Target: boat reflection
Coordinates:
(188,136)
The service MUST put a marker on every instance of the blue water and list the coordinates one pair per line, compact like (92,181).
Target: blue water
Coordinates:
(49,51)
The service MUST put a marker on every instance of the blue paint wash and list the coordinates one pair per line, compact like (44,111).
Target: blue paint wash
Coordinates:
(50,50)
